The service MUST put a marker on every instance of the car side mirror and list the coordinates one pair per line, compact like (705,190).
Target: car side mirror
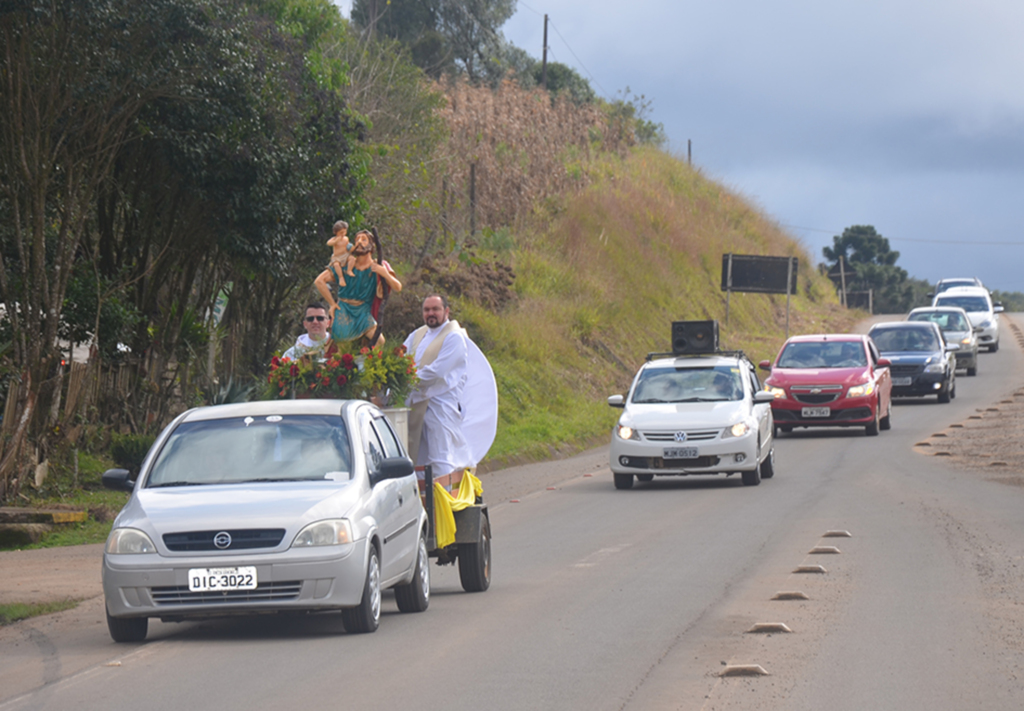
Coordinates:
(998,308)
(765,365)
(931,294)
(118,480)
(394,468)
(763,396)
(616,401)
(977,329)
(884,362)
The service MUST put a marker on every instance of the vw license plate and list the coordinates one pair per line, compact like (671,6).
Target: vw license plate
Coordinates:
(816,411)
(216,579)
(680,453)
(902,381)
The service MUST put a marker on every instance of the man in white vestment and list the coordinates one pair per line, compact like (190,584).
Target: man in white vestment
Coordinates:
(440,349)
(316,322)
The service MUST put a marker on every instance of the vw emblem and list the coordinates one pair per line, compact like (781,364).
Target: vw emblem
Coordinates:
(680,436)
(222,540)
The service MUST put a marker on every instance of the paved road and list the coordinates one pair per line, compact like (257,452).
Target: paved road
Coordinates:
(605,599)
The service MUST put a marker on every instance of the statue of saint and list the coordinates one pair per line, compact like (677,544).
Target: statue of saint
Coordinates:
(353,303)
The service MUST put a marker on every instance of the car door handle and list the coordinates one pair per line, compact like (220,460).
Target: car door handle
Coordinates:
(401,499)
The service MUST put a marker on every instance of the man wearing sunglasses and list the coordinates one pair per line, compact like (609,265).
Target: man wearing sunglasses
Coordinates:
(317,323)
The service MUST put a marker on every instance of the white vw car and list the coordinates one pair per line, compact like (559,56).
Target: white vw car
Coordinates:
(693,414)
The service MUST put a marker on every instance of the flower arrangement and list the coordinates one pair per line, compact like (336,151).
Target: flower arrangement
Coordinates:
(385,375)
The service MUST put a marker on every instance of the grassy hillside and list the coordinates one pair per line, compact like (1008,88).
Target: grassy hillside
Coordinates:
(600,276)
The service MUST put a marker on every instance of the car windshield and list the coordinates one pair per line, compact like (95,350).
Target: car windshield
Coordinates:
(891,340)
(254,449)
(823,354)
(967,303)
(947,320)
(657,385)
(947,285)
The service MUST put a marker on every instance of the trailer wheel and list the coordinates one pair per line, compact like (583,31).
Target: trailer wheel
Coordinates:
(475,560)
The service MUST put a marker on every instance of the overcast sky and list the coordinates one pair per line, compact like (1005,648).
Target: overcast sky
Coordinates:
(906,115)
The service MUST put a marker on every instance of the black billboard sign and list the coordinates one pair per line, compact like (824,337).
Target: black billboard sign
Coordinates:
(765,275)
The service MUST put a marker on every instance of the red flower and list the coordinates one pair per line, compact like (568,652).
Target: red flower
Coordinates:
(364,350)
(400,351)
(274,362)
(342,379)
(293,370)
(348,361)
(326,381)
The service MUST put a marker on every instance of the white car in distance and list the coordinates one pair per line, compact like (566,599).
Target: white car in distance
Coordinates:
(983,313)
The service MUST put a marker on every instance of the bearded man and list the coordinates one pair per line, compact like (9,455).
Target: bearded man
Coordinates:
(350,300)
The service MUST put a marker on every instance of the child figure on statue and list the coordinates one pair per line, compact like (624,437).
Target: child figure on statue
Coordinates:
(341,255)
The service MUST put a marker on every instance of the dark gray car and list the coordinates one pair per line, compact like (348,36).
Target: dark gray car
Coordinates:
(921,363)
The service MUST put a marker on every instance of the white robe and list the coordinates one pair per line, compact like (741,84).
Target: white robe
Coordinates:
(303,344)
(442,445)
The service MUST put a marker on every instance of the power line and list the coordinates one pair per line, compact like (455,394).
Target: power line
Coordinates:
(567,46)
(912,239)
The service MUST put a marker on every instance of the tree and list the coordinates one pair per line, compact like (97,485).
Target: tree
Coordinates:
(75,77)
(442,35)
(875,263)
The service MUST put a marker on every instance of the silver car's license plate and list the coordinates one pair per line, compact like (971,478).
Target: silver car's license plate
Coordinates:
(816,412)
(680,453)
(212,579)
(902,381)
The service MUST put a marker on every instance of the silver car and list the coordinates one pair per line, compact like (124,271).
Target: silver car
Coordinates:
(956,328)
(298,505)
(688,415)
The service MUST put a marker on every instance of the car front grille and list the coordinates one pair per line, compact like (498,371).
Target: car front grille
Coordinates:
(243,539)
(264,592)
(816,394)
(815,398)
(670,436)
(905,369)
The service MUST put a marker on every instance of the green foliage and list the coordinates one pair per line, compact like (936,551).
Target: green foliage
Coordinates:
(627,118)
(130,450)
(13,612)
(563,78)
(1011,300)
(86,295)
(868,252)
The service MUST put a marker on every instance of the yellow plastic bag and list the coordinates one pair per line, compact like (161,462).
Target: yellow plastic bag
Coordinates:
(445,506)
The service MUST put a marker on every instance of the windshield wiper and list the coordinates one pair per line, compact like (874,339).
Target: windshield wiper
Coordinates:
(176,483)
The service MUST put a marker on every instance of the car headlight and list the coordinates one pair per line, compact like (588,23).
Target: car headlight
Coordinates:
(935,368)
(126,541)
(861,390)
(965,341)
(332,532)
(778,393)
(737,430)
(626,432)
(986,324)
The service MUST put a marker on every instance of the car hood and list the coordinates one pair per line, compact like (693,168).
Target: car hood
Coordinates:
(683,415)
(818,376)
(913,357)
(288,505)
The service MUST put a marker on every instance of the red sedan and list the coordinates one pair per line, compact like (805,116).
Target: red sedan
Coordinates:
(831,380)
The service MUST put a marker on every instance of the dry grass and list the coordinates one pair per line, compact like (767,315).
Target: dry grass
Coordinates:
(601,275)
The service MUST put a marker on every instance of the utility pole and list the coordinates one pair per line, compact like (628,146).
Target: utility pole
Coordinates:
(544,57)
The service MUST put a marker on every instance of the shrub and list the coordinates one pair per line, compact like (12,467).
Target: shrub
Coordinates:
(128,451)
